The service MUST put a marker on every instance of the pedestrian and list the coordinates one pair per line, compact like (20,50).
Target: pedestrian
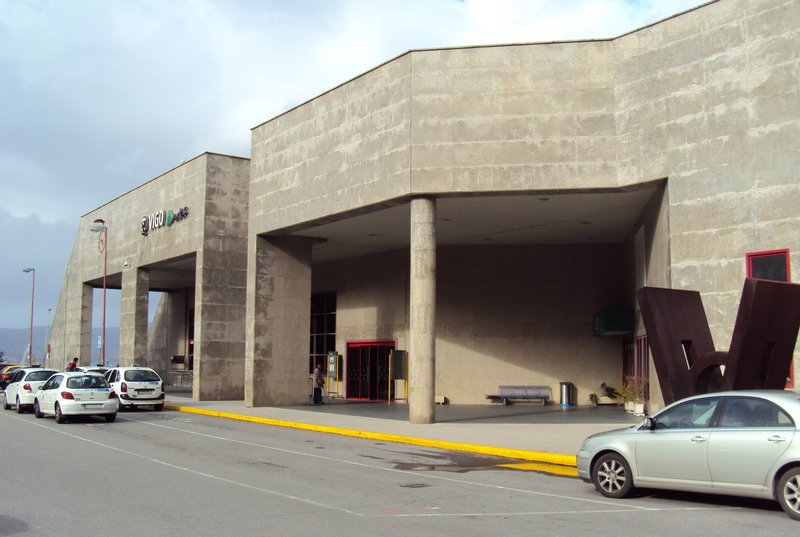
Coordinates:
(73,365)
(319,383)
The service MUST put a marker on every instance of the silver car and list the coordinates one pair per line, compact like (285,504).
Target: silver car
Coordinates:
(742,443)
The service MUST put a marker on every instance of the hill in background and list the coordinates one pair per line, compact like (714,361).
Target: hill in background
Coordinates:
(13,342)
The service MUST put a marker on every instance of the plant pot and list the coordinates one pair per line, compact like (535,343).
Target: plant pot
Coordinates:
(629,406)
(638,409)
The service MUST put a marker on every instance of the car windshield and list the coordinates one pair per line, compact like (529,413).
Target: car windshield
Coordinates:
(45,374)
(141,375)
(87,382)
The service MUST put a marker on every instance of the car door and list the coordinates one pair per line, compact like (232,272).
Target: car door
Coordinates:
(751,435)
(47,394)
(13,386)
(674,453)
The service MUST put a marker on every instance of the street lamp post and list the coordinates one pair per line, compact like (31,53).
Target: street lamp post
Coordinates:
(30,333)
(99,226)
(47,338)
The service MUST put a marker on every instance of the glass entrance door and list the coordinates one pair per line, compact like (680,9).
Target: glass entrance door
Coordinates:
(368,370)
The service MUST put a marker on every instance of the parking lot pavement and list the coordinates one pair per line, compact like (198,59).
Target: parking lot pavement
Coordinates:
(549,434)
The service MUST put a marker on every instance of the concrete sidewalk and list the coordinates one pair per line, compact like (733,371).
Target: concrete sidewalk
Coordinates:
(549,434)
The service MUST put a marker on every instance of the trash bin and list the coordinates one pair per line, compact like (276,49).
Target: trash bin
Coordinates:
(567,394)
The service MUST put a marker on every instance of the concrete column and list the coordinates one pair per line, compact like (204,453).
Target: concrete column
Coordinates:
(219,322)
(133,310)
(422,322)
(87,297)
(278,321)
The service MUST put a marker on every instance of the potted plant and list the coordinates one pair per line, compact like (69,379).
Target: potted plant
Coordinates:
(593,398)
(632,393)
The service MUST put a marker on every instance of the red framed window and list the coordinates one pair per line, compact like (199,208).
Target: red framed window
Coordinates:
(771,265)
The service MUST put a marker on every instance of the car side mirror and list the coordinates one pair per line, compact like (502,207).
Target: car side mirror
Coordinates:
(649,424)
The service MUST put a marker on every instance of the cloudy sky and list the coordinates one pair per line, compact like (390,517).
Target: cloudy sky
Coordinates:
(99,96)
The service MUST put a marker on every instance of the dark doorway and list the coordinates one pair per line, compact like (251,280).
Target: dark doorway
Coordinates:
(368,370)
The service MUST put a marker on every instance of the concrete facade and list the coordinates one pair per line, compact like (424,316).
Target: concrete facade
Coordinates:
(476,207)
(200,254)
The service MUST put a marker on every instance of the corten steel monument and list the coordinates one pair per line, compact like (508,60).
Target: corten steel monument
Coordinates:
(683,350)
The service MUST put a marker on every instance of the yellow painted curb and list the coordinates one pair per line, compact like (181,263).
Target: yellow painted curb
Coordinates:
(518,454)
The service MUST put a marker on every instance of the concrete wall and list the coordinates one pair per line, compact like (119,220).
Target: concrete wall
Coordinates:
(214,188)
(505,315)
(711,100)
(513,118)
(342,151)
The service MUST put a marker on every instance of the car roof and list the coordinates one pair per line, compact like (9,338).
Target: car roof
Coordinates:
(128,368)
(29,369)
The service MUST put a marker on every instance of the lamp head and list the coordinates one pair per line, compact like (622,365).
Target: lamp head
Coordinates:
(29,270)
(98,225)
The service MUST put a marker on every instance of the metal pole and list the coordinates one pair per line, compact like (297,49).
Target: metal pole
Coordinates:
(30,333)
(46,337)
(66,309)
(99,226)
(105,272)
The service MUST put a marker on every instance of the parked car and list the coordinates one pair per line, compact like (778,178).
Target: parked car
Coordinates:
(742,443)
(6,372)
(75,394)
(21,390)
(92,369)
(136,386)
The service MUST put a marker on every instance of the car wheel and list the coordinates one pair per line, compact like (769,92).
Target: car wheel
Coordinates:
(59,415)
(6,406)
(159,407)
(20,410)
(611,476)
(36,410)
(789,492)
(110,417)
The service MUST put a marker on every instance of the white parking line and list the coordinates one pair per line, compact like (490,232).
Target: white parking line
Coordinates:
(616,507)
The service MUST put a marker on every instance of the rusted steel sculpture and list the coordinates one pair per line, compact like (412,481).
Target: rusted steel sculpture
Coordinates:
(683,350)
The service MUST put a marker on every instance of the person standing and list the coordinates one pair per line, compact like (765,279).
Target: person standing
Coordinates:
(319,383)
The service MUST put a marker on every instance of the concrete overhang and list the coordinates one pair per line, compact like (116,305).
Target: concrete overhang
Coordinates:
(575,217)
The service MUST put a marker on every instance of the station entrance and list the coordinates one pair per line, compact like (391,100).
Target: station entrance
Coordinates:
(368,370)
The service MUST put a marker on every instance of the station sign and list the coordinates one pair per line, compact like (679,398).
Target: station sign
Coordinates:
(159,219)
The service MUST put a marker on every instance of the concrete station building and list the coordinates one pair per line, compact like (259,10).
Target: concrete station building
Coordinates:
(489,210)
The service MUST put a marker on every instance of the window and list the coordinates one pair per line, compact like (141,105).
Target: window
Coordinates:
(773,265)
(694,414)
(141,375)
(54,382)
(40,375)
(751,412)
(323,328)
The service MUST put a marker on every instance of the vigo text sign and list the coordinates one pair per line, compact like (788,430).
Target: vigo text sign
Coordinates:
(162,218)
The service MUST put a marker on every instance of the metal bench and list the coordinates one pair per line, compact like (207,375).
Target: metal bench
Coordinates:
(506,394)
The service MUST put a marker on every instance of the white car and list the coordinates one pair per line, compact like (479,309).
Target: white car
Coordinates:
(21,389)
(75,394)
(137,386)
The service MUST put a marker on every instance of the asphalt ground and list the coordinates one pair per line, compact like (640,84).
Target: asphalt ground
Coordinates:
(532,436)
